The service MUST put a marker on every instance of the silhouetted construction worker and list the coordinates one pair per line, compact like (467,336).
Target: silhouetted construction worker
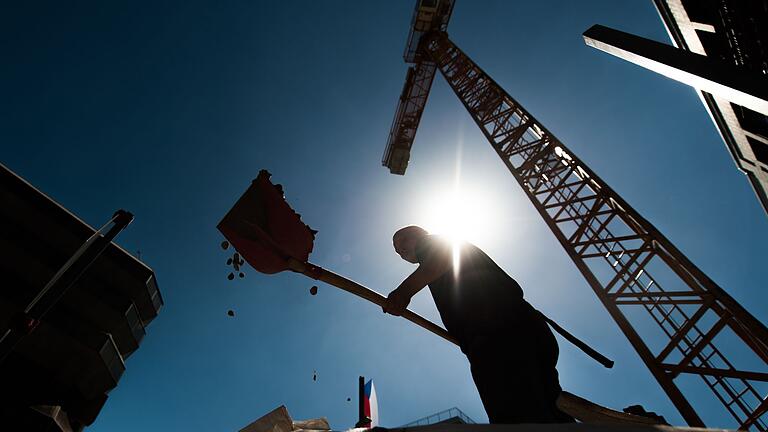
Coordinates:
(511,350)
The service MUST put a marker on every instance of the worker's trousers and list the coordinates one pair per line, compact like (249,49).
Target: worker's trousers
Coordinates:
(514,371)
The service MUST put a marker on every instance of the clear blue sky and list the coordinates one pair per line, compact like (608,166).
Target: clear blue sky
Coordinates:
(170,109)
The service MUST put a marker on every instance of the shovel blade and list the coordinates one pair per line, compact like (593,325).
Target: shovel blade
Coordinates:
(265,230)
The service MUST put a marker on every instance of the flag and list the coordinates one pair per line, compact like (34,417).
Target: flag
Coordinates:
(370,404)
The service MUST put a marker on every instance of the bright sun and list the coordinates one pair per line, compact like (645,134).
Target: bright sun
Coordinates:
(459,214)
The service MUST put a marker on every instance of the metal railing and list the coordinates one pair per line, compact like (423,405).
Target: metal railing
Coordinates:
(440,417)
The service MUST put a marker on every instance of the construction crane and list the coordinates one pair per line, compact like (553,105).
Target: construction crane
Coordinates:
(628,263)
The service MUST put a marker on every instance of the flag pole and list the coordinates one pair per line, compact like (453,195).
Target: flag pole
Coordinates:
(363,421)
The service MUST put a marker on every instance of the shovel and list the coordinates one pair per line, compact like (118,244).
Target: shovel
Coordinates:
(271,237)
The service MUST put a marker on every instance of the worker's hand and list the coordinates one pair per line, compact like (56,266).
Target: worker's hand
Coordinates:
(397,302)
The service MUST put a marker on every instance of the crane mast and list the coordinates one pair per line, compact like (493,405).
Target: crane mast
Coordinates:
(678,320)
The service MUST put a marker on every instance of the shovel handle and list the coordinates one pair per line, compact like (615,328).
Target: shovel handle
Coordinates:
(329,277)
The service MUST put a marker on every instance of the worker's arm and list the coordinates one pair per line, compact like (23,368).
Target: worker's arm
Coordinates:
(430,270)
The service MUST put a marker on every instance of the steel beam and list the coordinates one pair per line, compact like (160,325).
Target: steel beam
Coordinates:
(711,75)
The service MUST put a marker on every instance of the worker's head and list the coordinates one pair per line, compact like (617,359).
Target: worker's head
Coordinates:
(405,241)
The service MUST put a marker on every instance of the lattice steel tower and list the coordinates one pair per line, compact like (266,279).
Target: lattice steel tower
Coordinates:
(678,320)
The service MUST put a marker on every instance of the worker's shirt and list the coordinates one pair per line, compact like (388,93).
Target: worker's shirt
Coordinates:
(476,297)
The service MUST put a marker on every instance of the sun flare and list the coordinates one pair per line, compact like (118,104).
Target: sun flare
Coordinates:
(460,215)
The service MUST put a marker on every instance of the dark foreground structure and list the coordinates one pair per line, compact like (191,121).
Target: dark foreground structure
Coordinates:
(453,420)
(57,378)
